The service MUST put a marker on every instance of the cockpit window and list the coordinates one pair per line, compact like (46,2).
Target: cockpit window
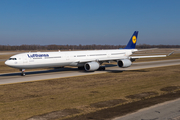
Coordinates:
(12,59)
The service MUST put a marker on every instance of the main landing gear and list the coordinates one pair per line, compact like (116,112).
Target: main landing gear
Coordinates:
(81,68)
(101,68)
(22,72)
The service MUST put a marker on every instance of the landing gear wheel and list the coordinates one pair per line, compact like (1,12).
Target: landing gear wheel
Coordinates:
(102,68)
(23,72)
(81,68)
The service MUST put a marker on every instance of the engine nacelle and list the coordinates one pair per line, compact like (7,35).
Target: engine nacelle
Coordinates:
(124,63)
(91,66)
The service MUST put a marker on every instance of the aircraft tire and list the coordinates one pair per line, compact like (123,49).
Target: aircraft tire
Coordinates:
(23,74)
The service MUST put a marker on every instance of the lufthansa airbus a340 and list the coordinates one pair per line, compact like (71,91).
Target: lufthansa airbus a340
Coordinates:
(90,60)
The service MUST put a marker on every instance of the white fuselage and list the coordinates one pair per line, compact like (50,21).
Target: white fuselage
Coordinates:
(68,58)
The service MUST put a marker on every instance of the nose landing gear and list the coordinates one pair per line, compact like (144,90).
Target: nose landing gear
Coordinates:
(22,72)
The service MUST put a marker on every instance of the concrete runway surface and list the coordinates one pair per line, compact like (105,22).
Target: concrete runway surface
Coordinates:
(8,78)
(169,110)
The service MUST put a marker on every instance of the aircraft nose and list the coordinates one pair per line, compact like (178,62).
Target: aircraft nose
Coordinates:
(7,62)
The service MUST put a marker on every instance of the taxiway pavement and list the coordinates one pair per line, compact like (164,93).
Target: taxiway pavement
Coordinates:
(9,78)
(169,110)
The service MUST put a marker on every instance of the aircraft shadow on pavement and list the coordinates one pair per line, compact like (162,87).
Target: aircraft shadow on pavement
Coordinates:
(110,71)
(39,72)
(59,70)
(113,71)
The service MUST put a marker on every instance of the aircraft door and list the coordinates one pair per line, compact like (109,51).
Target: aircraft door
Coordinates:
(108,54)
(25,60)
(67,57)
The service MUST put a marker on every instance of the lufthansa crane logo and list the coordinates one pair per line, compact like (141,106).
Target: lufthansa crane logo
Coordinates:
(134,39)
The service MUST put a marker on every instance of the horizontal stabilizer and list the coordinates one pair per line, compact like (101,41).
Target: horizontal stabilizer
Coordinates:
(170,53)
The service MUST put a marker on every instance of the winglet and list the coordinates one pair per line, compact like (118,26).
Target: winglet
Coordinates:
(170,53)
(132,42)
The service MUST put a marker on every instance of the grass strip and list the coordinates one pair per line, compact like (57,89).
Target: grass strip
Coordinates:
(24,100)
(126,108)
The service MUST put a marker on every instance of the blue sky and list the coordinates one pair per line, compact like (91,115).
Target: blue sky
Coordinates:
(86,22)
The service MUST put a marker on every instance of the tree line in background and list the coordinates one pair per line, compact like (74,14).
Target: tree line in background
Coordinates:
(77,47)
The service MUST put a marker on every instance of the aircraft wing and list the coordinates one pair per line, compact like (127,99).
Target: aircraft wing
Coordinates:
(124,57)
(111,59)
(136,57)
(101,59)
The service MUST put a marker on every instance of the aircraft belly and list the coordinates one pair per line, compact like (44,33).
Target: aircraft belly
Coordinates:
(29,66)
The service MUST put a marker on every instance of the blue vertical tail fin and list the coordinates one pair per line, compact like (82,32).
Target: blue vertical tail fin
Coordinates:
(132,42)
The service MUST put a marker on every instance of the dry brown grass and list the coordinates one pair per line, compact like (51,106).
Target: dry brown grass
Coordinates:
(5,56)
(24,100)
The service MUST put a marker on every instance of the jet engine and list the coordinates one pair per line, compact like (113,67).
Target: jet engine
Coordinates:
(124,63)
(91,66)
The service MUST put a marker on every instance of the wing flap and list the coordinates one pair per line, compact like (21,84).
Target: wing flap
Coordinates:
(136,57)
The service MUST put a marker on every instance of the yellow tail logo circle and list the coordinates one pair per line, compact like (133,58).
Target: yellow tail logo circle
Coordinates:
(134,39)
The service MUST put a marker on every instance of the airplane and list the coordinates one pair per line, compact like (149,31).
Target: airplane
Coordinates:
(90,60)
